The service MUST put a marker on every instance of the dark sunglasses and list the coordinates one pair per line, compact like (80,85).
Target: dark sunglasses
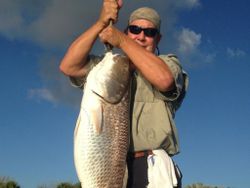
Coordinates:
(149,32)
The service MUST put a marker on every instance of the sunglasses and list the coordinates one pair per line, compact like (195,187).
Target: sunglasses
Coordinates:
(149,32)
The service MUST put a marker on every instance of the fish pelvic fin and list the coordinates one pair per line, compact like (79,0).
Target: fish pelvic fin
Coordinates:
(96,117)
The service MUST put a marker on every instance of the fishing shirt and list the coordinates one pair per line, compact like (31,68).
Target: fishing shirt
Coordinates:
(152,112)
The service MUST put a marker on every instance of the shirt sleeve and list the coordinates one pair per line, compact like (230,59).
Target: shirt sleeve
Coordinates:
(177,72)
(80,81)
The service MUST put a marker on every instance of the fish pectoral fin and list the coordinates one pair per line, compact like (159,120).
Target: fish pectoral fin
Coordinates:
(96,118)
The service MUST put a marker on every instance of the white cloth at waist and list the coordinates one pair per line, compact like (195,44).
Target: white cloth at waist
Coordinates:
(161,170)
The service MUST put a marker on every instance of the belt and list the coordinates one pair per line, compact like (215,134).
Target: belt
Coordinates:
(138,154)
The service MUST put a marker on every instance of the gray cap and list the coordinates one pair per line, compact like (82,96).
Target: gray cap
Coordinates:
(147,14)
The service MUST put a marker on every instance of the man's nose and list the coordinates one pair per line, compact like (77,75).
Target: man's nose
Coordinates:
(141,35)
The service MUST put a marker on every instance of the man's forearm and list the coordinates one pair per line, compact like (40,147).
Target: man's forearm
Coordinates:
(151,66)
(73,62)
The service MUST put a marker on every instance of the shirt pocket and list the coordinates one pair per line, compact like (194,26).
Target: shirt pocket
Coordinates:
(144,92)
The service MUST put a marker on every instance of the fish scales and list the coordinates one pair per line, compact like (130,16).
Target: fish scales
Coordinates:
(101,133)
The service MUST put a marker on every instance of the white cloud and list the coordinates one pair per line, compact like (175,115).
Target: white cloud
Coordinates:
(42,93)
(235,52)
(11,20)
(188,41)
(61,21)
(45,22)
(193,3)
(188,3)
(208,58)
(57,22)
(189,49)
(56,87)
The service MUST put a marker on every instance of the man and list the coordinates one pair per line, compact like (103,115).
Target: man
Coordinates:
(158,84)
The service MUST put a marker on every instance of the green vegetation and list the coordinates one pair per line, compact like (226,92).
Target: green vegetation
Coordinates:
(68,185)
(200,185)
(8,183)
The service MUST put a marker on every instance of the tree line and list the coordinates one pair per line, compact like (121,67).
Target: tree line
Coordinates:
(9,183)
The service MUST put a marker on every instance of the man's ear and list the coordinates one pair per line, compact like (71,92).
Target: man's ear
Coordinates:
(126,30)
(119,2)
(158,38)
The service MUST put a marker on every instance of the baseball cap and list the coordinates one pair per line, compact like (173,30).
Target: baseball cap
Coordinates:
(147,14)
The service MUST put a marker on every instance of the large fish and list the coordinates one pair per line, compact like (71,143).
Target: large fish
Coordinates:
(101,132)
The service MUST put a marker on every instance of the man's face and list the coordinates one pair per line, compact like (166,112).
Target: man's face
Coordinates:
(147,42)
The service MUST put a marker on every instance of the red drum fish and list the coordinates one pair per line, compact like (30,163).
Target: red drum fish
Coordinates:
(102,130)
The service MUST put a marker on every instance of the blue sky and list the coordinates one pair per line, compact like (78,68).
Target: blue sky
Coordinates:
(39,107)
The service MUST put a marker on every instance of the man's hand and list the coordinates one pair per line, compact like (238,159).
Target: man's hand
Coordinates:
(112,36)
(109,12)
